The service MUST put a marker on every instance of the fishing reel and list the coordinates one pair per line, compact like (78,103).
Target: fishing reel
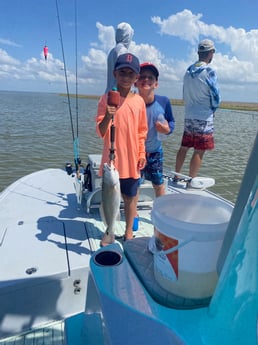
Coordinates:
(69,168)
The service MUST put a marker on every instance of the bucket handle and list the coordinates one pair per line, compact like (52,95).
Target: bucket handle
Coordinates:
(173,249)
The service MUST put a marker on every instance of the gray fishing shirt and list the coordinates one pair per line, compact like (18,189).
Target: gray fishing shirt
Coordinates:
(200,92)
(124,35)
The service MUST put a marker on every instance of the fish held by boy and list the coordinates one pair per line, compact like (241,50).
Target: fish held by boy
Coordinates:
(111,196)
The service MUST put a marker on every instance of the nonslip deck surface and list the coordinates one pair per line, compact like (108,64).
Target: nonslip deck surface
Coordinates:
(52,334)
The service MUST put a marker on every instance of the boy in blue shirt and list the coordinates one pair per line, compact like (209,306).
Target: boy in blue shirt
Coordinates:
(156,106)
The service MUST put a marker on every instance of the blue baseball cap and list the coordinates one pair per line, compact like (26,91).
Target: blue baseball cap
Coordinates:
(129,61)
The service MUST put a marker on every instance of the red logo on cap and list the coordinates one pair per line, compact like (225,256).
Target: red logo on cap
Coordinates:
(129,58)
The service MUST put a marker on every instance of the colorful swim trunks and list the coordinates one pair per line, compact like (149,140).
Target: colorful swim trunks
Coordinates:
(198,134)
(153,170)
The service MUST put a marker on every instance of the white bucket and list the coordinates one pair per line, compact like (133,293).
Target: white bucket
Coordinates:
(195,226)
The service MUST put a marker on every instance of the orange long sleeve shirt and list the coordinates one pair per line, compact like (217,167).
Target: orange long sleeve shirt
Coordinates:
(131,126)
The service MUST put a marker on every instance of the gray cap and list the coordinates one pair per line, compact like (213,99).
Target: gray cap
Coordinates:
(205,46)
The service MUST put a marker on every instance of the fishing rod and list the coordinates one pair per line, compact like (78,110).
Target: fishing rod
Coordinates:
(77,160)
(113,100)
(76,143)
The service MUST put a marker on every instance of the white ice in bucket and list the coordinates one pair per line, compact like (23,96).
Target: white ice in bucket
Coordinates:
(196,224)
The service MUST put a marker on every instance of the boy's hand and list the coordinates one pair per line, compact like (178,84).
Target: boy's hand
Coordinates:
(141,163)
(110,111)
(162,127)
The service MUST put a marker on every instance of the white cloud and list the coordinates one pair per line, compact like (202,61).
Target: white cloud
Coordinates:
(238,65)
(33,69)
(235,60)
(188,27)
(183,24)
(9,42)
(5,59)
(106,36)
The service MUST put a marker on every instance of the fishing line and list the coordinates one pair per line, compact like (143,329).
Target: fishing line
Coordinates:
(65,71)
(75,140)
(76,67)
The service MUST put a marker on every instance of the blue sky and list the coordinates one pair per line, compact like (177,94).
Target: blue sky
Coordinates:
(167,33)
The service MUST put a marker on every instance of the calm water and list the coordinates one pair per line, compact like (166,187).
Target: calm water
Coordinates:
(35,133)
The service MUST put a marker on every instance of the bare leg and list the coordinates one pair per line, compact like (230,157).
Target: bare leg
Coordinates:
(159,189)
(130,204)
(196,162)
(180,157)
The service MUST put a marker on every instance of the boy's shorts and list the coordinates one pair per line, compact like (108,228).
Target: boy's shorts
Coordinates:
(129,186)
(153,170)
(198,134)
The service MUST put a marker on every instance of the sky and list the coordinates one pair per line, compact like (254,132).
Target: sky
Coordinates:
(166,33)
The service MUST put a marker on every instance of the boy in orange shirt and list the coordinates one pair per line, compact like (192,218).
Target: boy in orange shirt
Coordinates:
(130,121)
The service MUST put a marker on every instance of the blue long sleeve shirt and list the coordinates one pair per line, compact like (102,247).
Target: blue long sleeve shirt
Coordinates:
(200,92)
(160,105)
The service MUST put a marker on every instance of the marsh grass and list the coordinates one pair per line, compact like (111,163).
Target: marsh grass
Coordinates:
(243,106)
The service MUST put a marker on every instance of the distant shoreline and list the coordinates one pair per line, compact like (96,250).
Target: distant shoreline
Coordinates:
(224,105)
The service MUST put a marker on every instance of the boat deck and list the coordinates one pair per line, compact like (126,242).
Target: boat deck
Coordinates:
(64,332)
(51,282)
(52,334)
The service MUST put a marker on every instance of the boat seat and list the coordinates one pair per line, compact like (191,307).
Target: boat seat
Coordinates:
(141,260)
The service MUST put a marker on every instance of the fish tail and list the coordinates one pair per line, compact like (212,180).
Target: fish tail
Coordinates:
(108,238)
